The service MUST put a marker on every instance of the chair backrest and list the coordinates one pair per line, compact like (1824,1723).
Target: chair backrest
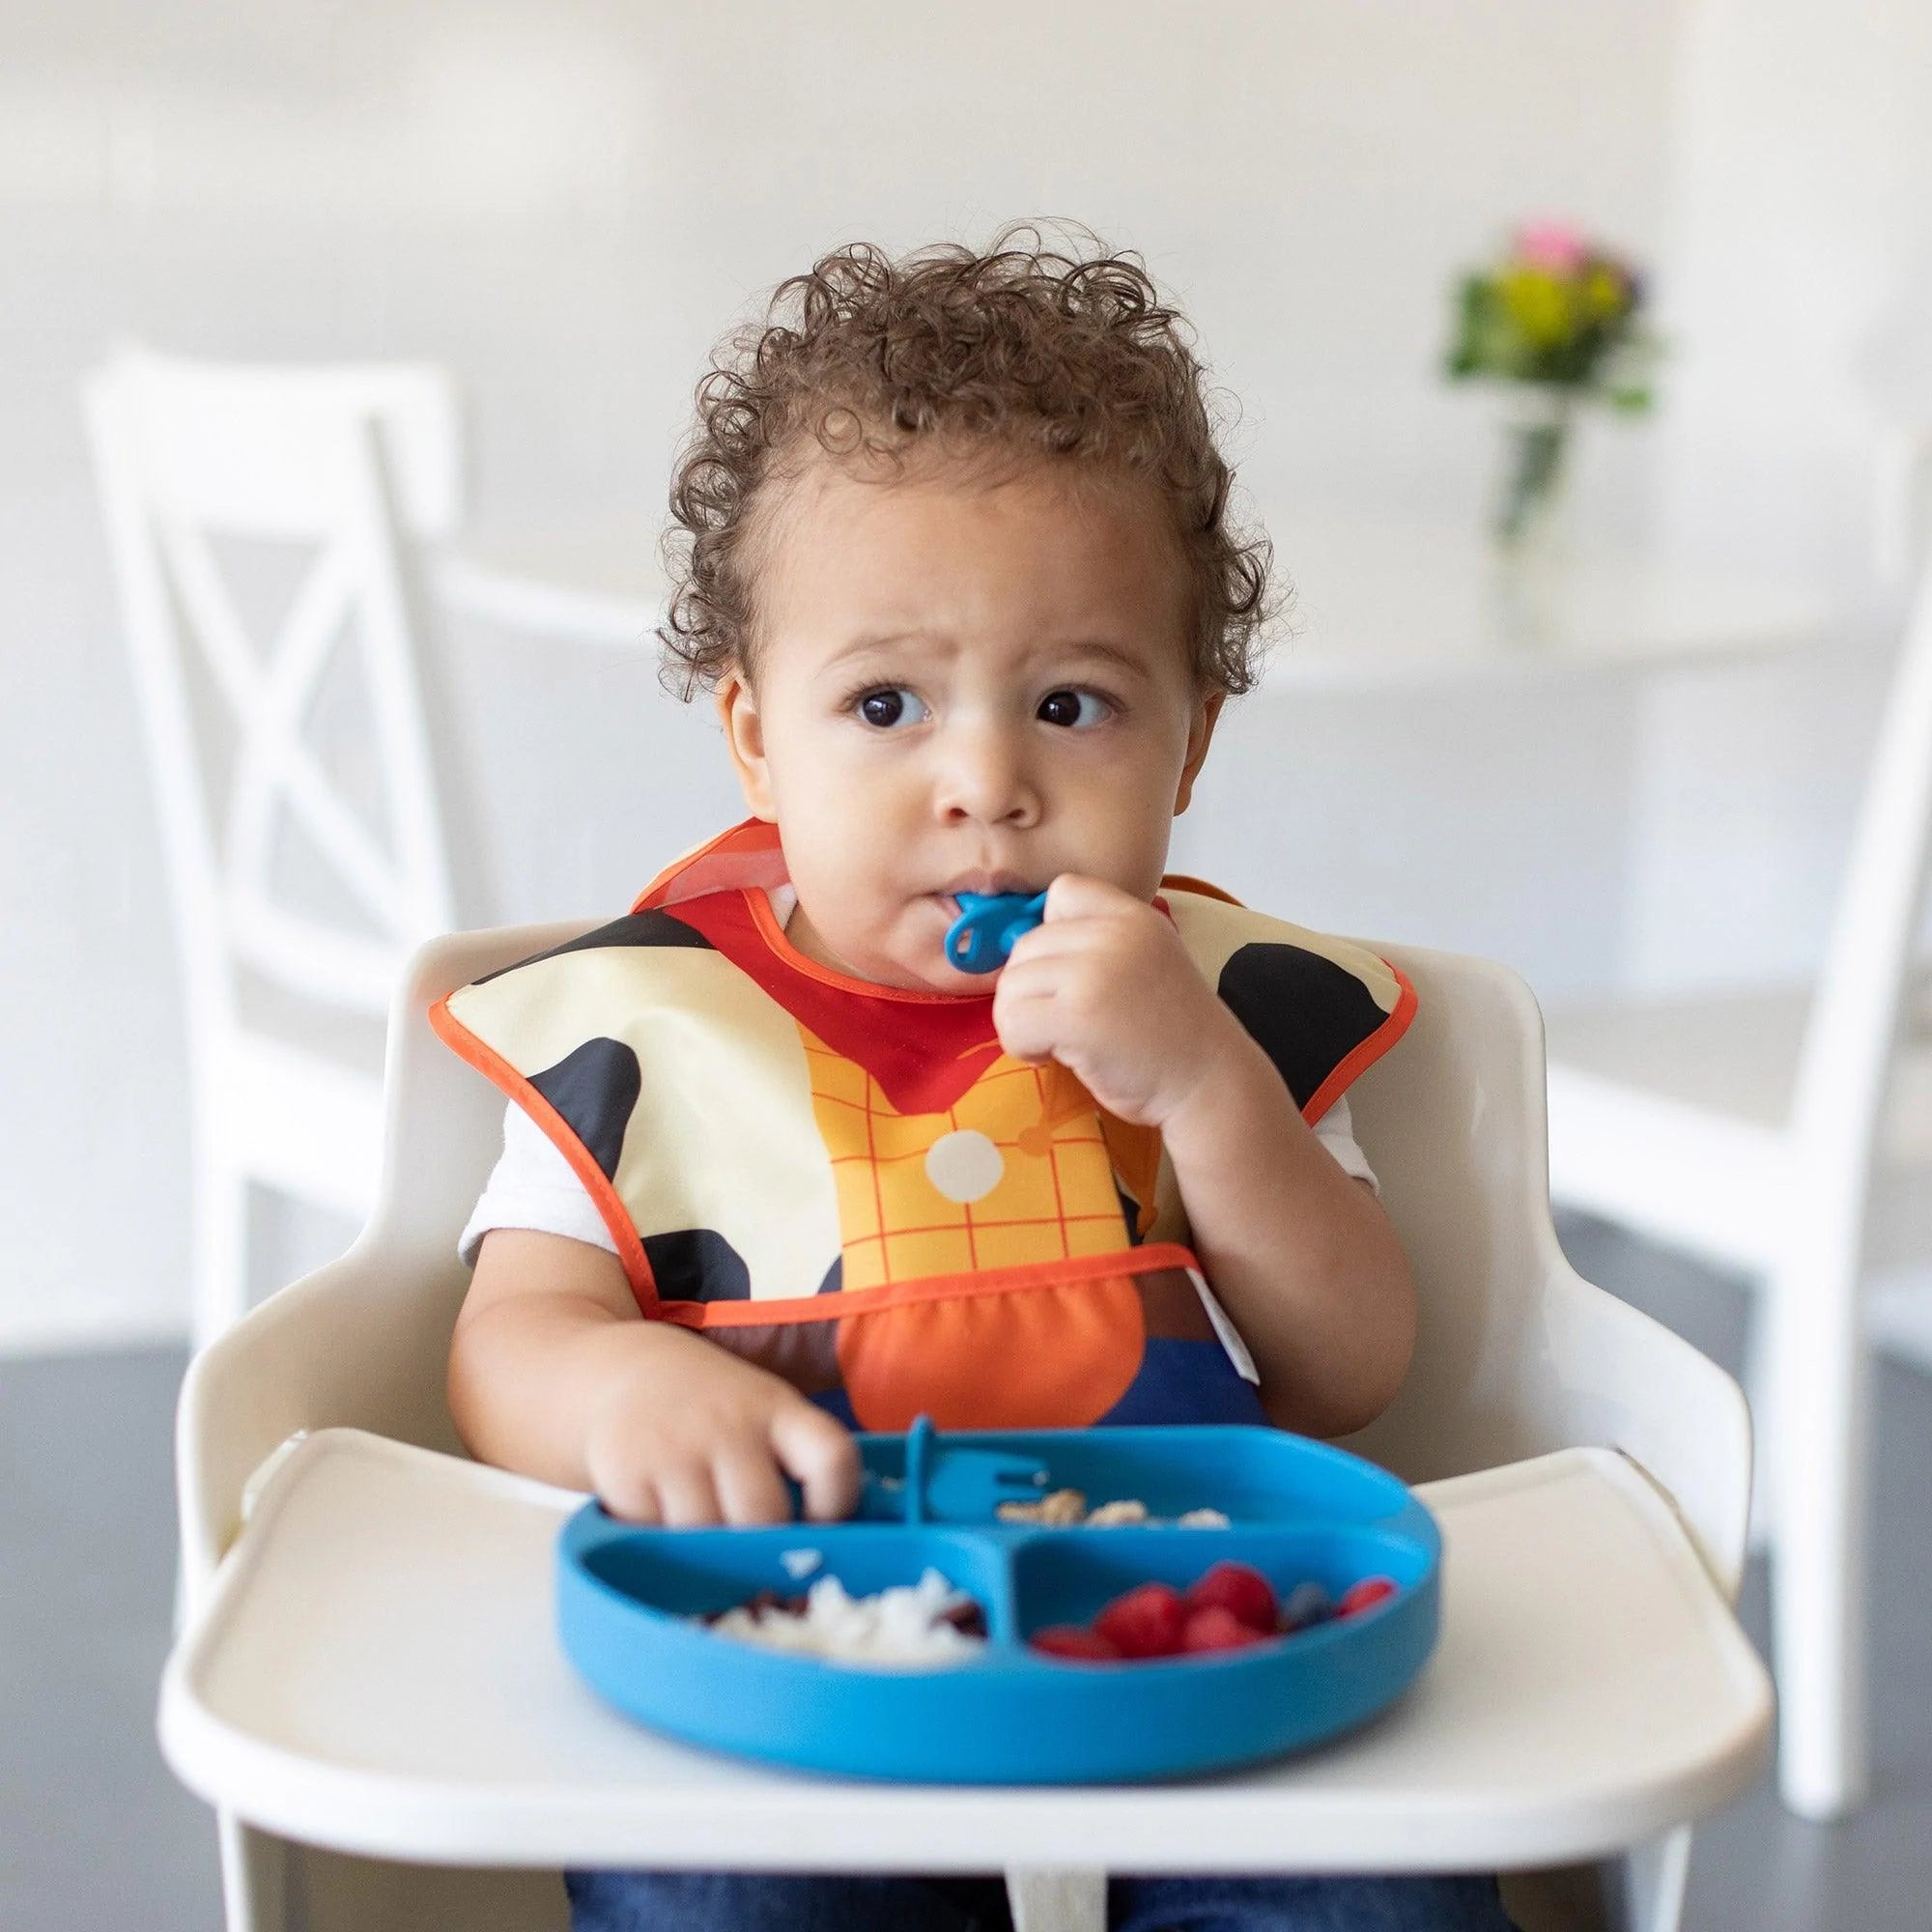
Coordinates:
(1854,1022)
(1516,1354)
(355,464)
(1452,1123)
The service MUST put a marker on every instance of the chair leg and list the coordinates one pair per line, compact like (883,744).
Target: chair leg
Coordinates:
(1759,1383)
(254,1877)
(1821,1410)
(1649,1879)
(220,1241)
(1046,1900)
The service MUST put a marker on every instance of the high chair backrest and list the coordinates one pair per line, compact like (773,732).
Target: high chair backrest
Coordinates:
(354,465)
(1517,1356)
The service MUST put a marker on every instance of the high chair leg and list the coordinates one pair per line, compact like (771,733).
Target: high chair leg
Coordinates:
(1046,1900)
(1647,1890)
(254,1877)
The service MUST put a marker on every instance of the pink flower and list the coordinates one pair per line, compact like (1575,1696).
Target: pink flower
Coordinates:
(1551,245)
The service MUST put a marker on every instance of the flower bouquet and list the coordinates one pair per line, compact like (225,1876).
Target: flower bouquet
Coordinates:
(1558,321)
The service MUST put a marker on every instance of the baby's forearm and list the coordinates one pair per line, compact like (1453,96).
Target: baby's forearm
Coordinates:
(530,1376)
(553,1373)
(1301,1255)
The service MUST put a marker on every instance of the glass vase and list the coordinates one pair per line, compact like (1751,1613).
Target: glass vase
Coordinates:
(1532,481)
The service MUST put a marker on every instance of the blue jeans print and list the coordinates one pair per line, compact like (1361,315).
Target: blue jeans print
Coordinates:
(621,1901)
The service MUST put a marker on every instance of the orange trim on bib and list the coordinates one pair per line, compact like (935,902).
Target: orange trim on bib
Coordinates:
(1365,1053)
(740,857)
(1124,1263)
(1186,881)
(774,935)
(498,1071)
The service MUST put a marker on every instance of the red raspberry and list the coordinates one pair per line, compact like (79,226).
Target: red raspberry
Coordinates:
(1364,1596)
(1218,1627)
(1075,1641)
(1241,1589)
(1146,1622)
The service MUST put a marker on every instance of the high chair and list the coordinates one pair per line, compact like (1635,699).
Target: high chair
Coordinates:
(369,1662)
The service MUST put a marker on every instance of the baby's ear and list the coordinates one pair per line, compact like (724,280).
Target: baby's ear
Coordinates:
(745,739)
(1199,736)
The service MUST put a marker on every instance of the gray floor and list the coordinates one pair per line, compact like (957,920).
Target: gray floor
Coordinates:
(94,1833)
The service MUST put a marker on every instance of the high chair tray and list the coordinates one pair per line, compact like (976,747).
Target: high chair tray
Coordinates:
(632,1603)
(377,1668)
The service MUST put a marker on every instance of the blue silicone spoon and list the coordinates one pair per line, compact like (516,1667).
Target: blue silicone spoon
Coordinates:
(944,1481)
(989,926)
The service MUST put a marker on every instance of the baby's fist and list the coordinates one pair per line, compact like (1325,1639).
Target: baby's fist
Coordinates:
(1105,986)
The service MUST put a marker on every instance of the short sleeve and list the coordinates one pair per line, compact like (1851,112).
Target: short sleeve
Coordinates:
(1336,1131)
(533,1187)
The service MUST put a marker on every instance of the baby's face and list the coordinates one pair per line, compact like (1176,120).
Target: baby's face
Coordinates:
(962,685)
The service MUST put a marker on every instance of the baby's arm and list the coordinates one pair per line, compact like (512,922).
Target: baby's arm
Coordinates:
(1302,1255)
(553,1373)
(1306,1263)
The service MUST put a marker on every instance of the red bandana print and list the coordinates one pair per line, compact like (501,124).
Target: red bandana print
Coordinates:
(924,1049)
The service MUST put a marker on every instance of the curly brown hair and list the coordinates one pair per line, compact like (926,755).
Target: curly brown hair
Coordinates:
(1027,349)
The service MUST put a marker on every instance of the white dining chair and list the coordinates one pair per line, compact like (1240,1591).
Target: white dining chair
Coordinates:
(1755,1131)
(206,470)
(1518,1359)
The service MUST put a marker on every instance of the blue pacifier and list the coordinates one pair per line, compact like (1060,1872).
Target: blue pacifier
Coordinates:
(989,926)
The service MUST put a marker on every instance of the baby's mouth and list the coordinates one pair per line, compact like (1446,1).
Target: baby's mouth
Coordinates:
(987,886)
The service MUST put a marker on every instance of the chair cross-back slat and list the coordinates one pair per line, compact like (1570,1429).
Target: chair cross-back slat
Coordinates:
(389,622)
(274,767)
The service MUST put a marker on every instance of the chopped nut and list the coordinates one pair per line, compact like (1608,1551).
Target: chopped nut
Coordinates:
(1063,1508)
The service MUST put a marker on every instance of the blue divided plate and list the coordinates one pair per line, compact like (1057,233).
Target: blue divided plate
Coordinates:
(1299,1511)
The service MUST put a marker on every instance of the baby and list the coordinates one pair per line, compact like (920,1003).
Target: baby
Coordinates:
(954,559)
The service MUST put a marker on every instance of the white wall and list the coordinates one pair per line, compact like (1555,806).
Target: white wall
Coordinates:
(564,201)
(1797,247)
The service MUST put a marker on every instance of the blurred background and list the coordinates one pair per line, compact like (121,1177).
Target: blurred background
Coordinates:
(1636,775)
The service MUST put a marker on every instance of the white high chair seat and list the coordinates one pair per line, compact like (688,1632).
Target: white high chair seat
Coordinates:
(370,1662)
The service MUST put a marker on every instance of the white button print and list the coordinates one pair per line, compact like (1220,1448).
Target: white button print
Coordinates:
(964,1165)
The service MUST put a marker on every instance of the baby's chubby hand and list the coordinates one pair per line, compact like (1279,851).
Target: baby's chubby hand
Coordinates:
(1105,986)
(696,1435)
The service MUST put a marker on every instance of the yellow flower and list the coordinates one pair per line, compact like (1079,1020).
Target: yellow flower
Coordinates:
(1604,294)
(1539,304)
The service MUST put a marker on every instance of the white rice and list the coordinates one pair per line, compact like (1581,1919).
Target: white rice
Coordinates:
(903,1626)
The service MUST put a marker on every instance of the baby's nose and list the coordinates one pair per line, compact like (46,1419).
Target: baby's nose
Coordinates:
(986,780)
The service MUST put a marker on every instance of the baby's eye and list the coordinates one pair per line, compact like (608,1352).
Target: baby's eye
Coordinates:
(1076,709)
(890,707)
